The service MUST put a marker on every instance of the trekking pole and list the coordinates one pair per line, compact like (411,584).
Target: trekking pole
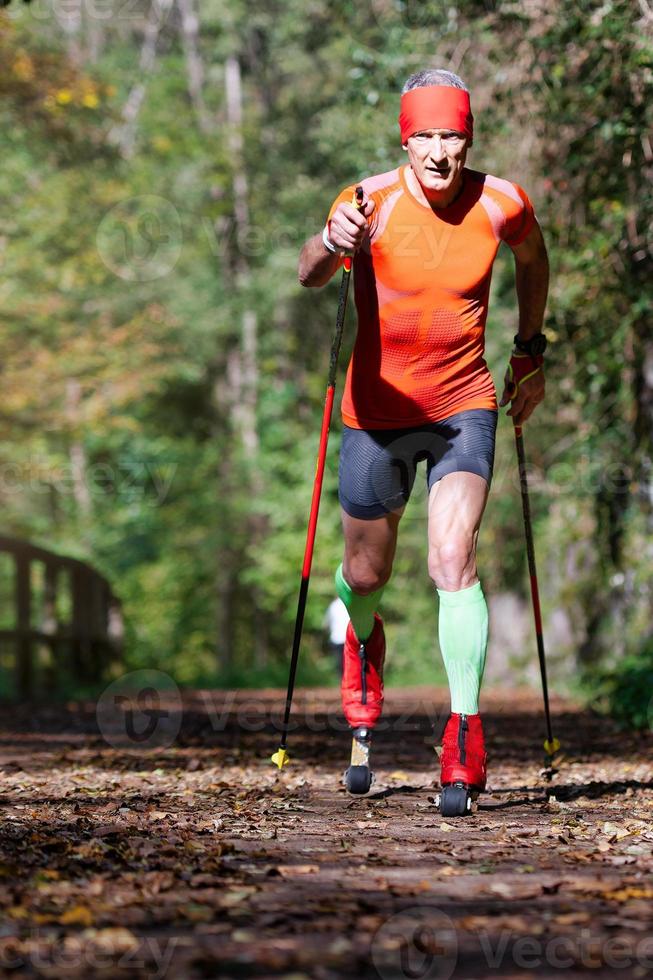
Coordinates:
(551,744)
(280,757)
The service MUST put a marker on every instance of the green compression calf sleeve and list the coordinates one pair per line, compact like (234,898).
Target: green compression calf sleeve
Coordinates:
(361,608)
(463,628)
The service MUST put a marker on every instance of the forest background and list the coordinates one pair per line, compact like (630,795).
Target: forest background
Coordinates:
(164,372)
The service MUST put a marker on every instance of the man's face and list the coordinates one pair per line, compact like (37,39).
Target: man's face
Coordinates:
(437,157)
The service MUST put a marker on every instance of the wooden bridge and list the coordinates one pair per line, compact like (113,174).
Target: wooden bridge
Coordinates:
(60,623)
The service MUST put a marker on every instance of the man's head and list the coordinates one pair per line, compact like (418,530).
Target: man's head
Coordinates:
(436,128)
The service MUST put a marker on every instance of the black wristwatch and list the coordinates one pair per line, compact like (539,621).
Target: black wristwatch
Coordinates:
(536,345)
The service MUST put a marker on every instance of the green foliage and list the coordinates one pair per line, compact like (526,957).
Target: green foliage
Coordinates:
(625,692)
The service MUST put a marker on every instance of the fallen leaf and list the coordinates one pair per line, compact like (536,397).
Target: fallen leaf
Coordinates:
(288,870)
(616,830)
(628,893)
(515,889)
(17,912)
(572,918)
(78,915)
(235,896)
(113,939)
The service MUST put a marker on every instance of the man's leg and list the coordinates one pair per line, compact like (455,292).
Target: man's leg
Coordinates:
(374,485)
(456,505)
(369,552)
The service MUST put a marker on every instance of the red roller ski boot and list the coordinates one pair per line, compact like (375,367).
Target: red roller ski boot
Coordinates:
(463,762)
(362,700)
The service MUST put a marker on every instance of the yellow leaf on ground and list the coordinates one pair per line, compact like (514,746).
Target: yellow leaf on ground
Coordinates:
(17,912)
(78,915)
(630,891)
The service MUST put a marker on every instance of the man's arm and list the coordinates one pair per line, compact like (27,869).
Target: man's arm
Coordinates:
(316,263)
(347,230)
(531,281)
(532,285)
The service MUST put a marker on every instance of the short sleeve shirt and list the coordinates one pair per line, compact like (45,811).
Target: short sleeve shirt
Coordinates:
(421,285)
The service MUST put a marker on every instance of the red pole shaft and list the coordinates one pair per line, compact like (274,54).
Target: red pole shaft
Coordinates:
(319,477)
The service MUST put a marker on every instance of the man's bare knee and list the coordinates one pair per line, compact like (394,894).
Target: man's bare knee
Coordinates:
(364,578)
(452,564)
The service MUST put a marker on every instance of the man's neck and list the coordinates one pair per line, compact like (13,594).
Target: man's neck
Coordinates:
(435,201)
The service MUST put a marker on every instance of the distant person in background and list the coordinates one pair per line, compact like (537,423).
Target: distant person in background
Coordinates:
(336,621)
(418,388)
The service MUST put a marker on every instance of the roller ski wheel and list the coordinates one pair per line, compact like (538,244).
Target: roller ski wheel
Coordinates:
(358,780)
(359,777)
(464,765)
(456,800)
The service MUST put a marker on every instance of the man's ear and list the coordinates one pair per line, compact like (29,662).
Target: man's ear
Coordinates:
(404,146)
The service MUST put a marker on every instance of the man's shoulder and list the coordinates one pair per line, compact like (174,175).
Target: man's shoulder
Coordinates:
(381,185)
(505,191)
(507,206)
(378,186)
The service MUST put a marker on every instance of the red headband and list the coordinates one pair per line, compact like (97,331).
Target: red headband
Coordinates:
(435,107)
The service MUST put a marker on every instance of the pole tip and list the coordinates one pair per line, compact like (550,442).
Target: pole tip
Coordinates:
(280,758)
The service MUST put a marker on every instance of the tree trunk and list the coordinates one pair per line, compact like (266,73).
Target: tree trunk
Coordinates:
(194,66)
(95,37)
(242,366)
(70,20)
(124,134)
(77,453)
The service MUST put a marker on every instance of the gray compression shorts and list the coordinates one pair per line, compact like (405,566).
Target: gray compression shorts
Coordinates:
(377,466)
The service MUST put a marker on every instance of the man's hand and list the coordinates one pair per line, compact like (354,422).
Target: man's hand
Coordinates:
(523,386)
(347,230)
(348,226)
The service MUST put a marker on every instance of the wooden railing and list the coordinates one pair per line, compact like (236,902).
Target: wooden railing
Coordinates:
(67,624)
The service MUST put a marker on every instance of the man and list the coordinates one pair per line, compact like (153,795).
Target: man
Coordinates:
(418,387)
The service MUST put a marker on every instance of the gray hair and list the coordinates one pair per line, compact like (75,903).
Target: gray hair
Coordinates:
(433,76)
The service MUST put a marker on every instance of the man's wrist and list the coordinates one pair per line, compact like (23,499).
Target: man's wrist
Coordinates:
(328,244)
(519,357)
(535,345)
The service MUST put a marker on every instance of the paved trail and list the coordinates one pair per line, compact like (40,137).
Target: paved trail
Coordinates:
(198,859)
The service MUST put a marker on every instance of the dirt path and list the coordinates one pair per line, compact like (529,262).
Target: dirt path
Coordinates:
(195,858)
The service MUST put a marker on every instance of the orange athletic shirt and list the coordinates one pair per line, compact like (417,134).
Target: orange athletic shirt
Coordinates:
(421,283)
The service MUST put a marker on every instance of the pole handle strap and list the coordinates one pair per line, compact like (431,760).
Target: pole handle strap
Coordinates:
(520,368)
